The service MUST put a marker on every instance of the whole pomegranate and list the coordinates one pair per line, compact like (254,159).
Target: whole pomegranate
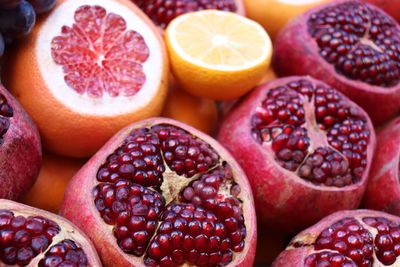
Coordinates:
(358,238)
(161,12)
(392,7)
(305,147)
(20,148)
(160,193)
(351,45)
(34,237)
(383,190)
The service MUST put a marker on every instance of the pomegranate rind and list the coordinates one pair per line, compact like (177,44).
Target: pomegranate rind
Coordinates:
(20,153)
(78,205)
(297,255)
(389,6)
(25,79)
(68,231)
(296,53)
(383,190)
(283,200)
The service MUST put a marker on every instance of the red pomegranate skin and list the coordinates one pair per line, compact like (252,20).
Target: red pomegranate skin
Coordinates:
(392,7)
(296,52)
(20,153)
(283,200)
(302,245)
(383,190)
(78,204)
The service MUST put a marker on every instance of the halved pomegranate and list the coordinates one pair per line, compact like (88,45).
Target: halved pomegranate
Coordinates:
(160,193)
(358,238)
(20,148)
(34,237)
(383,190)
(161,12)
(351,45)
(305,147)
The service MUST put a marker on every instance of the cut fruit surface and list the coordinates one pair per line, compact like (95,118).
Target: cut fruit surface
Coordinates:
(88,69)
(217,54)
(162,12)
(164,194)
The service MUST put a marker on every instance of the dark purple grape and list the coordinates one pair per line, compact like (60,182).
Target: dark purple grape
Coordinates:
(18,21)
(9,3)
(42,6)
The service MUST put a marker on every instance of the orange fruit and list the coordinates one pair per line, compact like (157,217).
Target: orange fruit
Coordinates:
(55,173)
(274,14)
(198,112)
(217,54)
(88,69)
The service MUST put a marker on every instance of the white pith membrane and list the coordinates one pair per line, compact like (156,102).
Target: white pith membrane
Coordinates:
(219,39)
(172,188)
(307,241)
(66,232)
(106,105)
(298,2)
(317,137)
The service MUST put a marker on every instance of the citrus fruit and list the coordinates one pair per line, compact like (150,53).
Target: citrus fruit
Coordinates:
(88,69)
(55,173)
(217,54)
(274,14)
(198,112)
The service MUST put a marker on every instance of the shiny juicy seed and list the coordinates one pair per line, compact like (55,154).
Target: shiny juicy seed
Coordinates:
(23,238)
(132,209)
(387,241)
(280,122)
(17,21)
(349,238)
(195,239)
(112,63)
(138,160)
(64,253)
(163,11)
(362,43)
(207,192)
(185,154)
(328,259)
(42,6)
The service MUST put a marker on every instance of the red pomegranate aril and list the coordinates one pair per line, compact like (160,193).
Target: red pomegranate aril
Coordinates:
(365,238)
(323,154)
(355,47)
(163,11)
(194,212)
(30,235)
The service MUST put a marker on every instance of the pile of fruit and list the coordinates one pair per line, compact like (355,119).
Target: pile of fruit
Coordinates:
(200,133)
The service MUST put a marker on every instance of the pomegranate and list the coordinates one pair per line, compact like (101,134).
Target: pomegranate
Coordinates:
(20,148)
(351,45)
(35,237)
(357,238)
(392,7)
(163,11)
(305,147)
(160,193)
(383,190)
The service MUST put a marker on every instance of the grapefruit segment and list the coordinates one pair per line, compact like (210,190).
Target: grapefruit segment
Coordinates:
(88,69)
